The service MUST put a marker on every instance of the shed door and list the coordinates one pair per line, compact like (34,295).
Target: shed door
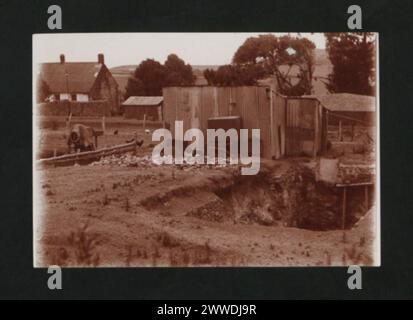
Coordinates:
(300,127)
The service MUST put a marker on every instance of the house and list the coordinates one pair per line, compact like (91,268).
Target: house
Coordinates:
(149,108)
(80,82)
(349,108)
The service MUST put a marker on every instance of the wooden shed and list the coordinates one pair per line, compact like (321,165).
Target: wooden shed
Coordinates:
(254,104)
(306,126)
(349,108)
(139,107)
(259,107)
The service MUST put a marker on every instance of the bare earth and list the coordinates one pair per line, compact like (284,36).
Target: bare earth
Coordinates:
(164,216)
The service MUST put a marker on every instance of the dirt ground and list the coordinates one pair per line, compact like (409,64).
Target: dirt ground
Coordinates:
(114,214)
(122,216)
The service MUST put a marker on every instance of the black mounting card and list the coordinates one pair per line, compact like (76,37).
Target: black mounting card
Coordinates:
(205,150)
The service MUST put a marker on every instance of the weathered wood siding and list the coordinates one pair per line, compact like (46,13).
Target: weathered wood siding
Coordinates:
(304,127)
(259,108)
(138,112)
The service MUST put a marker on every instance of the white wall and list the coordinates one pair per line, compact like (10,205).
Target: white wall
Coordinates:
(82,97)
(79,97)
(65,96)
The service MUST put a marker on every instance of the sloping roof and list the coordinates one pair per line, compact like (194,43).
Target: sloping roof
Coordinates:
(348,102)
(70,77)
(143,101)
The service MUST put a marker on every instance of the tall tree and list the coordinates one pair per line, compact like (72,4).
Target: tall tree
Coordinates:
(151,76)
(134,87)
(234,75)
(353,58)
(177,72)
(280,56)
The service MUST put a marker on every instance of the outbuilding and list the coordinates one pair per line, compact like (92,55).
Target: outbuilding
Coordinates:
(288,126)
(140,107)
(349,108)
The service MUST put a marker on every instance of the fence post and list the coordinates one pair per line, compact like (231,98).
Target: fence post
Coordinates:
(103,133)
(343,222)
(340,137)
(352,132)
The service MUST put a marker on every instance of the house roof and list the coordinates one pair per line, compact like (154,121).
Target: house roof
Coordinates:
(70,77)
(347,102)
(140,101)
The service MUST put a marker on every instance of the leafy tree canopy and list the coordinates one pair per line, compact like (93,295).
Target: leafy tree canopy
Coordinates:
(268,55)
(151,76)
(353,58)
(234,75)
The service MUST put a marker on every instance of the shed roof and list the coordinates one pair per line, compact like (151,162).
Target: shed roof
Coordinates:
(348,102)
(70,77)
(140,101)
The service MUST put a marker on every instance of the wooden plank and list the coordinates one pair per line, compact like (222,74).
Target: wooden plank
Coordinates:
(88,154)
(343,222)
(357,184)
(340,131)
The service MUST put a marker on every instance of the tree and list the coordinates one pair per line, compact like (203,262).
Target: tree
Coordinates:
(278,56)
(134,87)
(177,72)
(151,76)
(234,75)
(353,60)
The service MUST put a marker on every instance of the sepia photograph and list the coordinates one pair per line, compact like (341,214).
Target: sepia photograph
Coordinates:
(206,149)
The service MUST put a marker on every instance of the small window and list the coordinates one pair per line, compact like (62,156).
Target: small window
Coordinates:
(73,97)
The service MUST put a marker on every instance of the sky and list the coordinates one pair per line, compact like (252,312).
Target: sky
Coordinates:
(132,48)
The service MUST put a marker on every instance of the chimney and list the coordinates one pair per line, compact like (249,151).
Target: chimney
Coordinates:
(62,58)
(101,58)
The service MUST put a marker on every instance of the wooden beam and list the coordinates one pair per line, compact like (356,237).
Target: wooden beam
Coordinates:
(88,155)
(357,184)
(343,217)
(340,133)
(104,131)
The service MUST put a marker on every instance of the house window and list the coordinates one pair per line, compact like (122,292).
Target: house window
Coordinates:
(64,96)
(73,97)
(82,97)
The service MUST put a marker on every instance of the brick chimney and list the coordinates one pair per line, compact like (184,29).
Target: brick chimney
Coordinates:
(62,58)
(101,58)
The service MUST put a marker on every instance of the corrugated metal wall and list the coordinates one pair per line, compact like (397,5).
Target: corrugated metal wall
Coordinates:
(288,126)
(138,112)
(304,130)
(279,125)
(194,105)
